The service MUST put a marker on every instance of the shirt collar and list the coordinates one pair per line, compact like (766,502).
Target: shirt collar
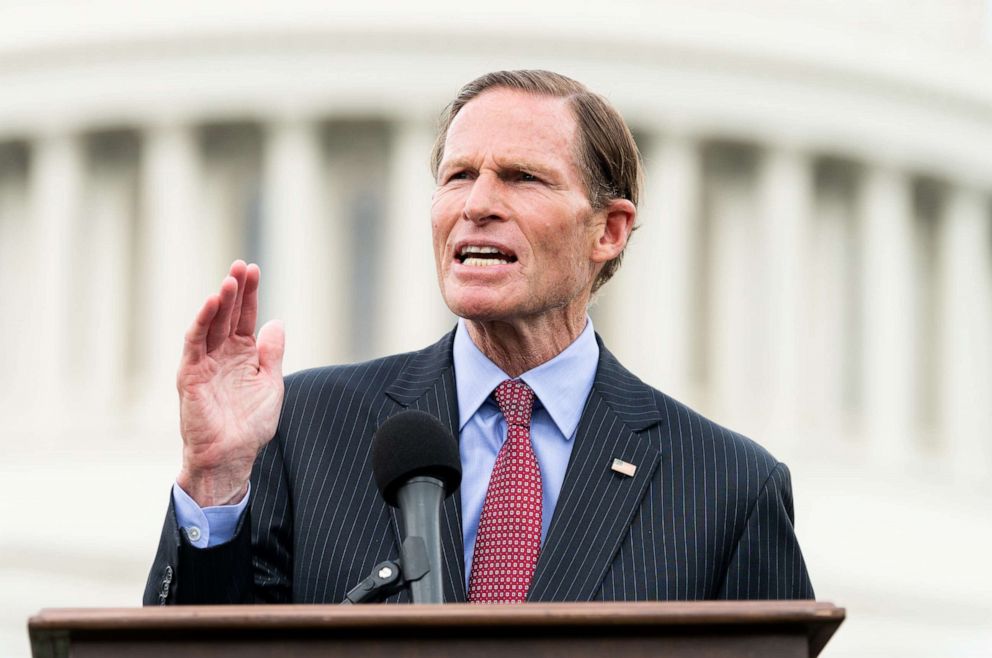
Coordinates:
(561,384)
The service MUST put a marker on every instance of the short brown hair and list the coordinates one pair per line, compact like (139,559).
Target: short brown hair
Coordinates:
(606,152)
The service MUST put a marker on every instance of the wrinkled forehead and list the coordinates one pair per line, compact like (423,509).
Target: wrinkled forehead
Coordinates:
(513,123)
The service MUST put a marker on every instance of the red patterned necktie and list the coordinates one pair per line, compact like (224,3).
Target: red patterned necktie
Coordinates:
(508,541)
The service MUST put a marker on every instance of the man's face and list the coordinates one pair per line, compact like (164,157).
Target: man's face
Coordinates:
(514,232)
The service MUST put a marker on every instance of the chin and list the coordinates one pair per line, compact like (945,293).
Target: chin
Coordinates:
(477,305)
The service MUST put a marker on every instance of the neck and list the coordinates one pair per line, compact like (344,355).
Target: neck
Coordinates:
(517,346)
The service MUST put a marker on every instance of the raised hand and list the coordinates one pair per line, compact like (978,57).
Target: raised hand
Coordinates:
(230,390)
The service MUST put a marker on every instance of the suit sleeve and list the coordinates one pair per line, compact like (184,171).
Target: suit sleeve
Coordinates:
(255,566)
(766,562)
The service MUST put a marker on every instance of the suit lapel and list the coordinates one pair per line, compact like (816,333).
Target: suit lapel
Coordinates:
(427,383)
(597,505)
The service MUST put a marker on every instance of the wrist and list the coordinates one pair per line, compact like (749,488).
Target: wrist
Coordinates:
(212,489)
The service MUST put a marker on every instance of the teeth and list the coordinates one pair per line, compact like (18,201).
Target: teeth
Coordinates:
(474,249)
(485,262)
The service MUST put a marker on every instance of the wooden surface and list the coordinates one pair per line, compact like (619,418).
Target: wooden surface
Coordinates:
(570,630)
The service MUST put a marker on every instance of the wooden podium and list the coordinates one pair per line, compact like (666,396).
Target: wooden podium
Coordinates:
(766,629)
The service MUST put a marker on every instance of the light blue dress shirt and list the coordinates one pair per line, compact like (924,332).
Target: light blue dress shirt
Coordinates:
(561,387)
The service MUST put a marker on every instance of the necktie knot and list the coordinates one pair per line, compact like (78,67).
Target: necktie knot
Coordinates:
(516,402)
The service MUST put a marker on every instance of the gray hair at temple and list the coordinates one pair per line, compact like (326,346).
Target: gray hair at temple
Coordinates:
(606,152)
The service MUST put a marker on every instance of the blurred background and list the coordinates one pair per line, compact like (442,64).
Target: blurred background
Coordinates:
(814,266)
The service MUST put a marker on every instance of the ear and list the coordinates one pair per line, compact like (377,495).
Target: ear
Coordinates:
(614,231)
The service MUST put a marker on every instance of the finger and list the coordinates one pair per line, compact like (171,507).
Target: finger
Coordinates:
(222,321)
(249,305)
(195,343)
(238,270)
(271,346)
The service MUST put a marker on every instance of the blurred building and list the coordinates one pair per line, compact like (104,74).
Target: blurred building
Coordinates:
(813,267)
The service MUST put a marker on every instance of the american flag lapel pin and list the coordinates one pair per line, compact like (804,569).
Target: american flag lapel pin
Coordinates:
(624,468)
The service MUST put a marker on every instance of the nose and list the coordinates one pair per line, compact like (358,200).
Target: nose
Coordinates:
(484,202)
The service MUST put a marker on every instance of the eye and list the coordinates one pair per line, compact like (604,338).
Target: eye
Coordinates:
(527,177)
(461,174)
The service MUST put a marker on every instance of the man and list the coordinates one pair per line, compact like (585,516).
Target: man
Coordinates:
(637,496)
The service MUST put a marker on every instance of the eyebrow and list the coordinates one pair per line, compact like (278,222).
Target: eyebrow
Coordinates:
(456,163)
(508,166)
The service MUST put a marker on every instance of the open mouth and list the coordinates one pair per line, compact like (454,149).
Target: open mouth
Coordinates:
(480,256)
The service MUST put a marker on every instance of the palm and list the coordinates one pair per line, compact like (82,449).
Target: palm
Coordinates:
(230,389)
(226,401)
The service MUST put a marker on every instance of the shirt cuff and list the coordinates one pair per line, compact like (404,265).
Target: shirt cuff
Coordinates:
(207,526)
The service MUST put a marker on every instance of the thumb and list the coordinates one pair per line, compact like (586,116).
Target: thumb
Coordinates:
(271,346)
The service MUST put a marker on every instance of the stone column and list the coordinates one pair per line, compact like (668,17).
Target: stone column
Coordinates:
(786,195)
(230,197)
(411,312)
(736,359)
(173,258)
(965,332)
(302,281)
(654,299)
(17,295)
(829,335)
(55,186)
(101,312)
(889,312)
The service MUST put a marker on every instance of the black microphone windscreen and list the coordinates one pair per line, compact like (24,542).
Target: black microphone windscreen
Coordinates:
(413,443)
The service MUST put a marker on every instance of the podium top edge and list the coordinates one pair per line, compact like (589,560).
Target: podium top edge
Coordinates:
(454,615)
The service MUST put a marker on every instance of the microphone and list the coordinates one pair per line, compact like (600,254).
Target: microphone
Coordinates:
(416,466)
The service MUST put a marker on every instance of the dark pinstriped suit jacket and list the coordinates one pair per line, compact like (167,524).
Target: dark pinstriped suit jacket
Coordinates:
(707,515)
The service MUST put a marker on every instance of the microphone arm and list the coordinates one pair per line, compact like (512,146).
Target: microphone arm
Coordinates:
(390,577)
